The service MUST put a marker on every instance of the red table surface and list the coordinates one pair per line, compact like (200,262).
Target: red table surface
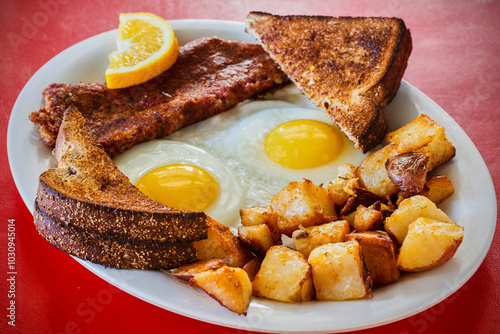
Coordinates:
(455,61)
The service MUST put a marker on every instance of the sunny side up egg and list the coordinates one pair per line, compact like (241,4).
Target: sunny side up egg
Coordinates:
(242,157)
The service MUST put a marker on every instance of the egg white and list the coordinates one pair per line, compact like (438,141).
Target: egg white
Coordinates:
(230,147)
(145,157)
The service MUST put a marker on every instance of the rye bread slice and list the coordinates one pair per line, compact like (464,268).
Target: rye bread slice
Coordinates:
(112,253)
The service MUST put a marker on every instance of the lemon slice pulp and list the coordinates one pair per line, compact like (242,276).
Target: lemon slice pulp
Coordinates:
(146,47)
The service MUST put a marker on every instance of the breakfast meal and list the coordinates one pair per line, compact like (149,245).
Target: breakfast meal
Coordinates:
(350,67)
(279,188)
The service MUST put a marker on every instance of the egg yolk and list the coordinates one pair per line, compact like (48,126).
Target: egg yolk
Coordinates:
(303,143)
(180,186)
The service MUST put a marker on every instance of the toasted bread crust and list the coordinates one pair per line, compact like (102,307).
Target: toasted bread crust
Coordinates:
(348,66)
(112,253)
(88,208)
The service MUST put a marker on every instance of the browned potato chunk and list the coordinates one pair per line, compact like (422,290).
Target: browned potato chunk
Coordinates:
(408,211)
(373,174)
(261,215)
(187,271)
(429,244)
(408,171)
(379,254)
(342,187)
(366,219)
(308,238)
(302,203)
(426,136)
(252,267)
(257,238)
(438,189)
(339,272)
(421,135)
(231,287)
(284,275)
(222,244)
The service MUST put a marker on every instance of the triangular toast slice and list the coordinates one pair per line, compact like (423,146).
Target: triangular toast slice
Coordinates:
(88,192)
(349,66)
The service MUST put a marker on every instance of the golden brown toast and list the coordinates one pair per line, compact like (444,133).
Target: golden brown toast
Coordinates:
(349,66)
(88,195)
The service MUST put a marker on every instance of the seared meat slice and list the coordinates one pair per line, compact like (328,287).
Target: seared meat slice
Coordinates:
(210,76)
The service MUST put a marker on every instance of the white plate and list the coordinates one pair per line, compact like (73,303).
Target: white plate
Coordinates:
(473,206)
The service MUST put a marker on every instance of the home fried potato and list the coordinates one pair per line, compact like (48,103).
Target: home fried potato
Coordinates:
(338,271)
(306,239)
(261,215)
(408,211)
(231,287)
(366,219)
(222,244)
(429,244)
(342,187)
(438,188)
(426,136)
(284,275)
(421,135)
(379,255)
(302,203)
(257,238)
(187,271)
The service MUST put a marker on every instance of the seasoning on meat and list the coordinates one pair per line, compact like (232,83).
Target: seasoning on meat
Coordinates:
(210,76)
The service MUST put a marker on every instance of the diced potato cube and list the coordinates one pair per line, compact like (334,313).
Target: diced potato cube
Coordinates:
(261,215)
(302,203)
(408,211)
(308,238)
(284,275)
(366,219)
(339,272)
(373,175)
(187,271)
(257,238)
(426,136)
(231,287)
(379,255)
(429,244)
(342,187)
(222,244)
(421,135)
(438,189)
(252,267)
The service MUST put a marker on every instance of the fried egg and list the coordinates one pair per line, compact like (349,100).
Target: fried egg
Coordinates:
(184,177)
(240,158)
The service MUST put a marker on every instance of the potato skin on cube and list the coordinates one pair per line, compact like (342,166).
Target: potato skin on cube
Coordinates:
(408,211)
(261,215)
(230,286)
(429,244)
(307,238)
(187,271)
(302,203)
(284,275)
(339,272)
(379,255)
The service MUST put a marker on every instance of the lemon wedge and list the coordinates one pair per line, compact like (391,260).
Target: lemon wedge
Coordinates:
(146,47)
